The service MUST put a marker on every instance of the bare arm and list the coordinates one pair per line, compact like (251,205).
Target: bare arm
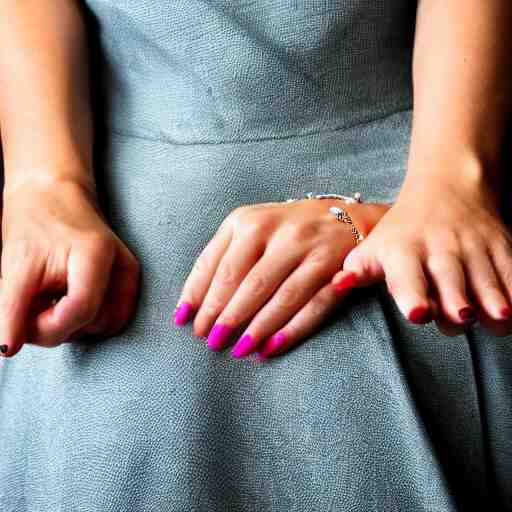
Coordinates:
(56,243)
(45,117)
(462,72)
(443,248)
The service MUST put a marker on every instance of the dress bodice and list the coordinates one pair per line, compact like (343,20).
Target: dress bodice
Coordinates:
(210,71)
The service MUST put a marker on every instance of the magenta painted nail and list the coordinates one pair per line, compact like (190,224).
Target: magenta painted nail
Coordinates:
(218,336)
(273,344)
(243,347)
(182,313)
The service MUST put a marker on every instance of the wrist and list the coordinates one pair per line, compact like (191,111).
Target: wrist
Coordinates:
(460,170)
(51,176)
(366,215)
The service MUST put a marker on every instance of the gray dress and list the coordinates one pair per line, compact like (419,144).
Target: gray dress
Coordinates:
(202,106)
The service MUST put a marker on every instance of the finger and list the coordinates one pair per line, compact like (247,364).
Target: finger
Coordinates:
(258,285)
(198,281)
(496,327)
(501,254)
(243,252)
(291,296)
(447,274)
(120,297)
(304,323)
(444,325)
(485,283)
(407,283)
(22,273)
(88,272)
(361,267)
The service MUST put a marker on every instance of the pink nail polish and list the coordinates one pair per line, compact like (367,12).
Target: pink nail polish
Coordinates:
(218,336)
(273,344)
(243,347)
(182,313)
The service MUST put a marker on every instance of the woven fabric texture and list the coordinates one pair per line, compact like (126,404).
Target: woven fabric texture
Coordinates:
(202,106)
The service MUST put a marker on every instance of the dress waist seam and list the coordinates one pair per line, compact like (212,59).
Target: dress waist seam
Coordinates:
(170,141)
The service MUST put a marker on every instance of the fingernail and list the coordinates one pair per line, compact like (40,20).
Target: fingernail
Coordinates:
(218,336)
(506,312)
(347,281)
(467,314)
(420,315)
(182,313)
(243,347)
(4,349)
(273,344)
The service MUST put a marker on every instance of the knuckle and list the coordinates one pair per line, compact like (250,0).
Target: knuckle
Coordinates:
(257,283)
(447,239)
(85,311)
(254,226)
(319,256)
(441,262)
(226,276)
(213,304)
(298,232)
(100,243)
(390,253)
(18,251)
(320,305)
(287,297)
(473,244)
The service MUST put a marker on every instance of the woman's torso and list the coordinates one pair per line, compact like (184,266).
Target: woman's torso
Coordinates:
(209,105)
(210,71)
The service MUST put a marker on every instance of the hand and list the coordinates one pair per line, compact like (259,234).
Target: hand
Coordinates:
(57,246)
(271,262)
(443,250)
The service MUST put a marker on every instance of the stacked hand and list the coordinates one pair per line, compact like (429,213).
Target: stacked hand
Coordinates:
(442,250)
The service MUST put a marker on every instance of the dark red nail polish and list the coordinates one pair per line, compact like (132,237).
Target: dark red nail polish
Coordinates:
(420,315)
(506,312)
(348,281)
(4,349)
(467,314)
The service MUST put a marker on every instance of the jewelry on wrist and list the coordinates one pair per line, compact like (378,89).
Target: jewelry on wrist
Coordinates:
(340,213)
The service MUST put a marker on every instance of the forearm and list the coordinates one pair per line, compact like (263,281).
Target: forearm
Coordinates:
(45,118)
(462,87)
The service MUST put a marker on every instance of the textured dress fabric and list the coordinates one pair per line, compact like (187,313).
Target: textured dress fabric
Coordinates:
(203,106)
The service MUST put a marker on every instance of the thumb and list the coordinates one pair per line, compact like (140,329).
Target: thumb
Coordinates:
(360,268)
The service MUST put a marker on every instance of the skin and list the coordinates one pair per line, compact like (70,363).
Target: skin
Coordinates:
(84,263)
(432,258)
(444,237)
(56,243)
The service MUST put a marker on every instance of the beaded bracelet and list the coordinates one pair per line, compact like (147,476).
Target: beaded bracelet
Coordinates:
(340,213)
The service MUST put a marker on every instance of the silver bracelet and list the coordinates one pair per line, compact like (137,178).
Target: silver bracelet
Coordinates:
(340,213)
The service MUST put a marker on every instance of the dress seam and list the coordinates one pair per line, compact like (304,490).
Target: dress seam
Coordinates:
(169,141)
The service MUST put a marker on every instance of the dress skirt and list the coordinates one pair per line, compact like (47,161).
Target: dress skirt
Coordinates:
(204,106)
